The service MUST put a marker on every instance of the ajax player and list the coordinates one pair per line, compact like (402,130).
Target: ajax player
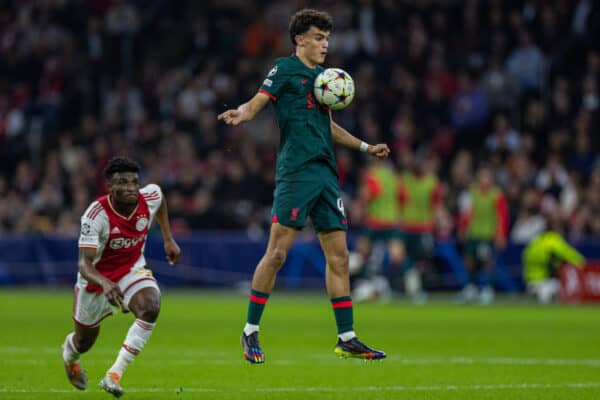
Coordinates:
(306,182)
(112,270)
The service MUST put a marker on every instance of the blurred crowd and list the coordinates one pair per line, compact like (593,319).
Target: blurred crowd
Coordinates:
(513,85)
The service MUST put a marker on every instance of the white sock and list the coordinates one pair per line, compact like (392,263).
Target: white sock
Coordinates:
(70,353)
(347,336)
(136,338)
(249,329)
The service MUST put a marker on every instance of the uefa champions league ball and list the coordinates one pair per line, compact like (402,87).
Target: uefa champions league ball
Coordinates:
(334,88)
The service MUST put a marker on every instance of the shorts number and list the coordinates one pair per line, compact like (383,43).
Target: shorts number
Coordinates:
(340,205)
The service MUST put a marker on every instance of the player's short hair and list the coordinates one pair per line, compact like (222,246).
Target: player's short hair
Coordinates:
(302,20)
(120,164)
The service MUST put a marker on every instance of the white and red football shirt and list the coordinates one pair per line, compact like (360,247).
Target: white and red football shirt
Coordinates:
(119,240)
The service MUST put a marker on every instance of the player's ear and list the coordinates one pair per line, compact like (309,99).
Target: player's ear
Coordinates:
(299,40)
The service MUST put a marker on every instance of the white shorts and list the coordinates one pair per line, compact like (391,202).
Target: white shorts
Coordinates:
(90,308)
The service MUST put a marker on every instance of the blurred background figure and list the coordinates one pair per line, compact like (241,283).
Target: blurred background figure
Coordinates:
(542,257)
(378,200)
(484,227)
(420,199)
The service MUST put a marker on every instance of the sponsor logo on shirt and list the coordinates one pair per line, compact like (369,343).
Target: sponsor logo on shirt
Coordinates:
(267,82)
(124,243)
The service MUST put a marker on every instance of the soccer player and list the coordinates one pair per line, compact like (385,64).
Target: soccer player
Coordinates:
(306,182)
(420,201)
(378,196)
(541,258)
(484,225)
(112,270)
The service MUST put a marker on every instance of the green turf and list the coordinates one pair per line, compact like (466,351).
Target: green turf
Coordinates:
(437,351)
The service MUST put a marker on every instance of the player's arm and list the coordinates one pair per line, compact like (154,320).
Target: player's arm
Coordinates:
(245,112)
(90,273)
(172,249)
(564,251)
(503,222)
(346,139)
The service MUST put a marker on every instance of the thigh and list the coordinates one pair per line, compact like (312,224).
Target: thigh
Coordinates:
(86,334)
(89,308)
(281,237)
(293,200)
(136,280)
(328,213)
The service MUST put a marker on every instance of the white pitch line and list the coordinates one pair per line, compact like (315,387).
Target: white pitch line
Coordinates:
(227,359)
(313,389)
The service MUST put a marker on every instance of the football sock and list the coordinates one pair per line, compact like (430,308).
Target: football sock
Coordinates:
(136,338)
(256,306)
(347,336)
(70,353)
(249,329)
(342,309)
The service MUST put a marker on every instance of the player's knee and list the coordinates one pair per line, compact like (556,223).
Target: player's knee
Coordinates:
(275,257)
(339,261)
(148,308)
(150,311)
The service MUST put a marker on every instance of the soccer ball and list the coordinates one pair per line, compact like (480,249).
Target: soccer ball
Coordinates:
(334,88)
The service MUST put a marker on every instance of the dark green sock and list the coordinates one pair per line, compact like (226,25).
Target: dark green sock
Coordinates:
(256,305)
(342,309)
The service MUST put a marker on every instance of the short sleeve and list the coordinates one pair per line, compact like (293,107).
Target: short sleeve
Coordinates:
(92,226)
(153,196)
(275,81)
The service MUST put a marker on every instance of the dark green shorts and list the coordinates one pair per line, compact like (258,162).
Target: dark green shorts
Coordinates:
(317,196)
(480,250)
(382,235)
(419,246)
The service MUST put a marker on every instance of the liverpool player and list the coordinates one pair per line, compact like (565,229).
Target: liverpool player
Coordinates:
(112,270)
(306,182)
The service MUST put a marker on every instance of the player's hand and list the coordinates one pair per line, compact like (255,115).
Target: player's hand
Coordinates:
(380,150)
(172,251)
(231,117)
(113,293)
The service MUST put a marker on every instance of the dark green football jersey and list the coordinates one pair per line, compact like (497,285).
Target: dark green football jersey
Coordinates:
(305,126)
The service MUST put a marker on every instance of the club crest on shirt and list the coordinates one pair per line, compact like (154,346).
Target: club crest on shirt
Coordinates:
(141,224)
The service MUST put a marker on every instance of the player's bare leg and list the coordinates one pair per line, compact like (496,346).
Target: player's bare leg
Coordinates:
(76,343)
(337,279)
(263,281)
(145,305)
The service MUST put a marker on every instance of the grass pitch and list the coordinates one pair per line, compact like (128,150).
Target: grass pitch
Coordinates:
(436,351)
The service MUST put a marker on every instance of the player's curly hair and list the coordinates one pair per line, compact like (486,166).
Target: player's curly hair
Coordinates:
(302,21)
(120,164)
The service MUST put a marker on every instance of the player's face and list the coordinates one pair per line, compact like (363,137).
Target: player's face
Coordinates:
(315,43)
(124,187)
(485,178)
